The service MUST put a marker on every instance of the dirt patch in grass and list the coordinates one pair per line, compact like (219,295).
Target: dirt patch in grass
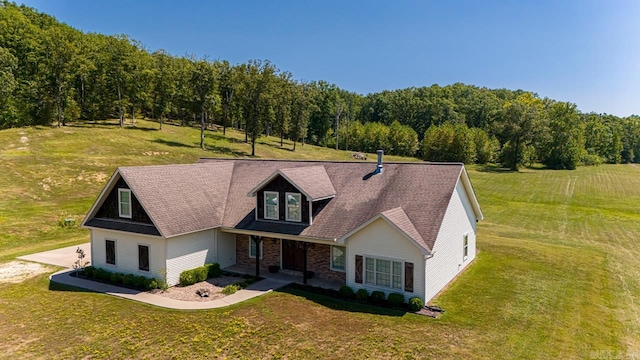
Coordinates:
(17,271)
(188,293)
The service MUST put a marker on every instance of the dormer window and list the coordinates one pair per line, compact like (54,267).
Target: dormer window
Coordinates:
(271,205)
(124,203)
(294,205)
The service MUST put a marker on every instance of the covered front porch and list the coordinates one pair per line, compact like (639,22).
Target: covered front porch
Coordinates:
(289,259)
(286,277)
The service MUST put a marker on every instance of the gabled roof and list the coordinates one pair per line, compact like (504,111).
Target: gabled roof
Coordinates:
(312,181)
(214,193)
(397,218)
(179,199)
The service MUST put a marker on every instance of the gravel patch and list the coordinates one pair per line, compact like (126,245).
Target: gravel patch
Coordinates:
(188,293)
(17,271)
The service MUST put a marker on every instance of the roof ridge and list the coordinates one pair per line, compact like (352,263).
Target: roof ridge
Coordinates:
(204,159)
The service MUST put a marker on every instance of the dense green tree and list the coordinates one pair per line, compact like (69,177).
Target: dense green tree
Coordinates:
(564,141)
(449,142)
(518,124)
(8,64)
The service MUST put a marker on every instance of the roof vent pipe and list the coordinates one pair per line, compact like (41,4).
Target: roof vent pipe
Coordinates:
(379,168)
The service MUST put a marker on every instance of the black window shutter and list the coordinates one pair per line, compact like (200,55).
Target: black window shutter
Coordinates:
(359,269)
(408,277)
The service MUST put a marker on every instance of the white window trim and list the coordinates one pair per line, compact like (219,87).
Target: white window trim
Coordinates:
(465,247)
(264,210)
(381,287)
(149,259)
(120,191)
(115,252)
(286,196)
(261,249)
(345,259)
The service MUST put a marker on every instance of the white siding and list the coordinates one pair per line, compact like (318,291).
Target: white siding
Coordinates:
(226,249)
(189,251)
(127,252)
(380,239)
(447,260)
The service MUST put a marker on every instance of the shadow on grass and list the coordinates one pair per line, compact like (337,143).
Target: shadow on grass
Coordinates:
(494,168)
(276,145)
(227,151)
(54,286)
(142,128)
(172,143)
(337,304)
(218,136)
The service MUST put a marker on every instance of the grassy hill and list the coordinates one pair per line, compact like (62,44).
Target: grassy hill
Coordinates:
(556,276)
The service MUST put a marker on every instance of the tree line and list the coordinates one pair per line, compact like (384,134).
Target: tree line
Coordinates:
(50,71)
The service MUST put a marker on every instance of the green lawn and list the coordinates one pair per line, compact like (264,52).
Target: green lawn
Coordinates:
(556,276)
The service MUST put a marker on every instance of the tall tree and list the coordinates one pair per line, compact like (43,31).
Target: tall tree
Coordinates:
(203,82)
(564,140)
(517,126)
(164,84)
(255,95)
(226,90)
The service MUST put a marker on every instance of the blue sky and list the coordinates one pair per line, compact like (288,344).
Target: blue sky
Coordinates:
(586,52)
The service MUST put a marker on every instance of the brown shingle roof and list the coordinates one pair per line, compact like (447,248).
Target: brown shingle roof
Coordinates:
(312,181)
(181,198)
(399,218)
(215,193)
(422,190)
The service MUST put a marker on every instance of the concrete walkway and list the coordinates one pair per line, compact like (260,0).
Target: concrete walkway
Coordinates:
(65,257)
(256,289)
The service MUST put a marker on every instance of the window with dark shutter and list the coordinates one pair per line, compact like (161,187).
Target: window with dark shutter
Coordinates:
(408,277)
(359,269)
(110,252)
(143,257)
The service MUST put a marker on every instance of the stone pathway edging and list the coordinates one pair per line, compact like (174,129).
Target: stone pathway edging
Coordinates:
(256,289)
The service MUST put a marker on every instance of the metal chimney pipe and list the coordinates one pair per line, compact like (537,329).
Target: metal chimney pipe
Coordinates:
(379,168)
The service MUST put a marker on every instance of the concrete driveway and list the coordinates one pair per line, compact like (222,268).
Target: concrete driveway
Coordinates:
(64,257)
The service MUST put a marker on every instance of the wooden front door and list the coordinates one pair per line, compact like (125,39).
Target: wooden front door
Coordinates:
(292,255)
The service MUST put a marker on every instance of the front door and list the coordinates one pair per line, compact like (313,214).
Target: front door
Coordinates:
(292,255)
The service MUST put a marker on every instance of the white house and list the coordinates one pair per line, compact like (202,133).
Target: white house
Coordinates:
(408,228)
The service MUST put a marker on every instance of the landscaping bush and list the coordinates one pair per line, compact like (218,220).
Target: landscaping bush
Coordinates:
(116,278)
(378,298)
(230,289)
(139,281)
(88,271)
(190,277)
(213,270)
(128,279)
(395,299)
(362,295)
(201,273)
(415,304)
(346,292)
(187,277)
(102,274)
(151,283)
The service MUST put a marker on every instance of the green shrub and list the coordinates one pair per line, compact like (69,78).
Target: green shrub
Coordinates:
(187,278)
(395,299)
(415,304)
(102,274)
(362,295)
(201,273)
(346,292)
(128,279)
(88,271)
(192,276)
(230,289)
(139,281)
(213,270)
(116,278)
(151,283)
(378,298)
